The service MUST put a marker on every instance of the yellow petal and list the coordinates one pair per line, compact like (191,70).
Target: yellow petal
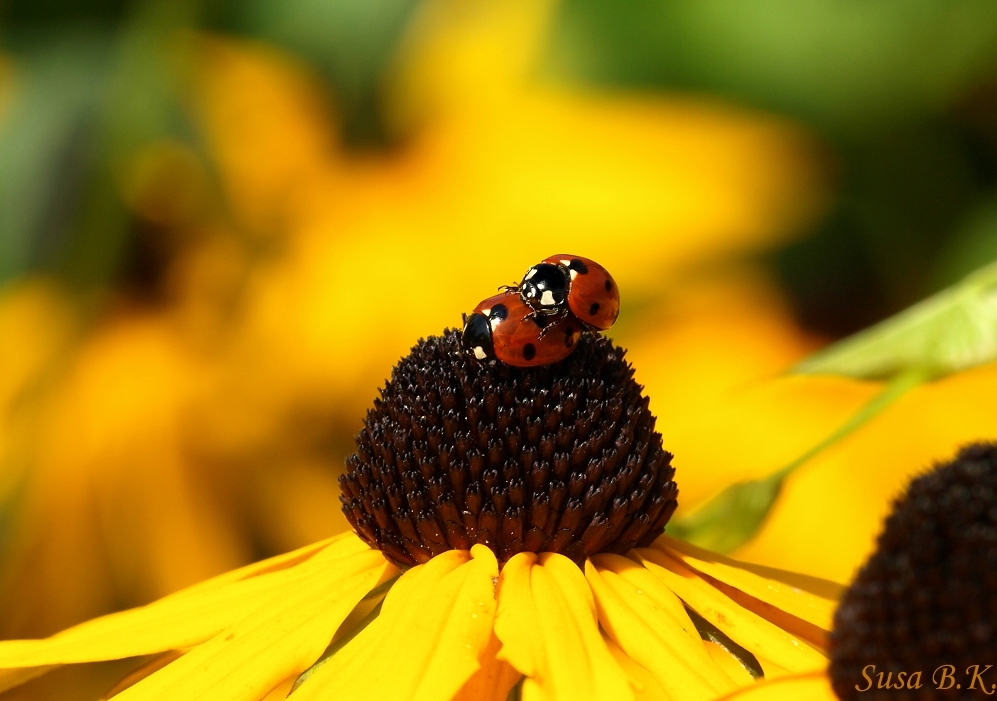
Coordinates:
(9,678)
(648,633)
(721,332)
(934,421)
(648,585)
(147,669)
(770,669)
(547,624)
(645,686)
(427,641)
(281,692)
(752,632)
(346,543)
(186,618)
(495,678)
(804,687)
(806,410)
(280,639)
(809,598)
(738,674)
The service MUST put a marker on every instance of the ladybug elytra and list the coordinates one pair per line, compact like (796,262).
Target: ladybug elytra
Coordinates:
(538,321)
(564,283)
(504,328)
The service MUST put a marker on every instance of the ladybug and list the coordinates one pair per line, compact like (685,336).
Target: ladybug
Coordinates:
(565,284)
(504,328)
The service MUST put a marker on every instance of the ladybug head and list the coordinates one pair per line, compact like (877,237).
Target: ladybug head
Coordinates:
(545,288)
(477,337)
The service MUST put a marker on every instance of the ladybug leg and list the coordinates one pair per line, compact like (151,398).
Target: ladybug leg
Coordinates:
(508,288)
(540,320)
(545,322)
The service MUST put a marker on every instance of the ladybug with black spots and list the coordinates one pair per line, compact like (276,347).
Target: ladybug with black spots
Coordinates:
(505,328)
(564,284)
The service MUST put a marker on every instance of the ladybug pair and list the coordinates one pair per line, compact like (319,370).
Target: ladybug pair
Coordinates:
(538,321)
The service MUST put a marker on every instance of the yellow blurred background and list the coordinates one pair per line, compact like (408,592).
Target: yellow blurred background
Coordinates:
(209,270)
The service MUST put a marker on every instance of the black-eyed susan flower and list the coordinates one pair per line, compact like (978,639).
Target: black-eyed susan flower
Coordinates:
(920,619)
(267,339)
(508,532)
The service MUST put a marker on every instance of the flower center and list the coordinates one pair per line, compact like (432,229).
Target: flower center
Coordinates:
(926,601)
(560,458)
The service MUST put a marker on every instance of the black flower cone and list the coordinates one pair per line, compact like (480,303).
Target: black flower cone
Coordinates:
(561,458)
(927,597)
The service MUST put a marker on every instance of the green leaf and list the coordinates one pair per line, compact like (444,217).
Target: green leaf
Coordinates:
(844,65)
(951,331)
(44,153)
(972,243)
(85,102)
(351,42)
(732,517)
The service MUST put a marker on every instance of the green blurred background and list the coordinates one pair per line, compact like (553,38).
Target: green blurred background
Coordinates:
(902,94)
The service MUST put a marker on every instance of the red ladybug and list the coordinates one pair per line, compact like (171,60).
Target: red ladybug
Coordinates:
(566,283)
(503,327)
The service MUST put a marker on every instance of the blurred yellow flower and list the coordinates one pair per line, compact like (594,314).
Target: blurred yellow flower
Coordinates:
(712,358)
(36,328)
(457,628)
(105,478)
(827,520)
(713,338)
(179,436)
(495,170)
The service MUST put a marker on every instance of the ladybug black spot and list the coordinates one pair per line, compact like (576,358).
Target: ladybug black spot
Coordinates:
(499,312)
(593,310)
(529,351)
(578,266)
(609,285)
